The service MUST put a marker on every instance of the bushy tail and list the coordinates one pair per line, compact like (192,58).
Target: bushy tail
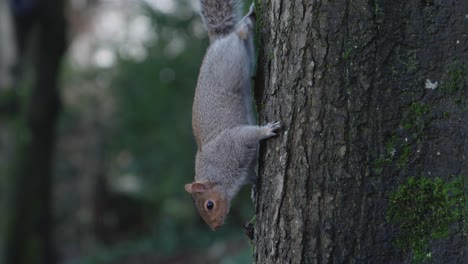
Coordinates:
(220,16)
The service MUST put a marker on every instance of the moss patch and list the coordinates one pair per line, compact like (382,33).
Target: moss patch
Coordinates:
(412,62)
(380,163)
(415,118)
(454,80)
(404,157)
(347,51)
(423,210)
(399,148)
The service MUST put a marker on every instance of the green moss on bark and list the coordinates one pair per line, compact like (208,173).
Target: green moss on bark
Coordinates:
(423,209)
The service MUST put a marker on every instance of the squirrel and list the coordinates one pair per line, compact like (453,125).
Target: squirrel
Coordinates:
(222,118)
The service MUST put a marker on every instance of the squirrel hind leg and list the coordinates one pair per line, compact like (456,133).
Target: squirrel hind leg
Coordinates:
(244,30)
(252,13)
(246,25)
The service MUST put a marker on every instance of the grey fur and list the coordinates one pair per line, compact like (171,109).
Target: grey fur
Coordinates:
(228,159)
(221,16)
(222,117)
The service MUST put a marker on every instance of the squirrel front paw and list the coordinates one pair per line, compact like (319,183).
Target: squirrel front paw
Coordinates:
(271,128)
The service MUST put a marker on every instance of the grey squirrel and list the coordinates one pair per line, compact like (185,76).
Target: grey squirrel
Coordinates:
(222,118)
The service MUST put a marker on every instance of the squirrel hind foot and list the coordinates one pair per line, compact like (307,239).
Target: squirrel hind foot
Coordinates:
(252,13)
(245,29)
(247,24)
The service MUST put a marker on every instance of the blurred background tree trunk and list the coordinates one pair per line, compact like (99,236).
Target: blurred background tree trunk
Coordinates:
(7,49)
(370,93)
(29,224)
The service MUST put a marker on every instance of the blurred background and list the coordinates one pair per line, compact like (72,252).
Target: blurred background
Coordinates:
(95,135)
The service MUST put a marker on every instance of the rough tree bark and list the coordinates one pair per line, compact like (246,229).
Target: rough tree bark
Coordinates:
(29,237)
(343,77)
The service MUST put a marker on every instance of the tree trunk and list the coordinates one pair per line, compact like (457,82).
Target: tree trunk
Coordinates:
(348,80)
(7,50)
(29,238)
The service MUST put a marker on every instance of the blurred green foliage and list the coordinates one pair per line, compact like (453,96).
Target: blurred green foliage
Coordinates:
(151,129)
(149,147)
(149,140)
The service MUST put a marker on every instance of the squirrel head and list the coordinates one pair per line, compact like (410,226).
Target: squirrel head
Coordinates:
(212,205)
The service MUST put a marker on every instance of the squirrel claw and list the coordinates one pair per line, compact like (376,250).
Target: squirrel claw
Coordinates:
(271,128)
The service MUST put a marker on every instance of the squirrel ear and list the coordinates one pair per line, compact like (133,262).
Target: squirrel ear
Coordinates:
(198,187)
(188,187)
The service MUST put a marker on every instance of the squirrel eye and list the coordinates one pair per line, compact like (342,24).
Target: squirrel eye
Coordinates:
(209,205)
